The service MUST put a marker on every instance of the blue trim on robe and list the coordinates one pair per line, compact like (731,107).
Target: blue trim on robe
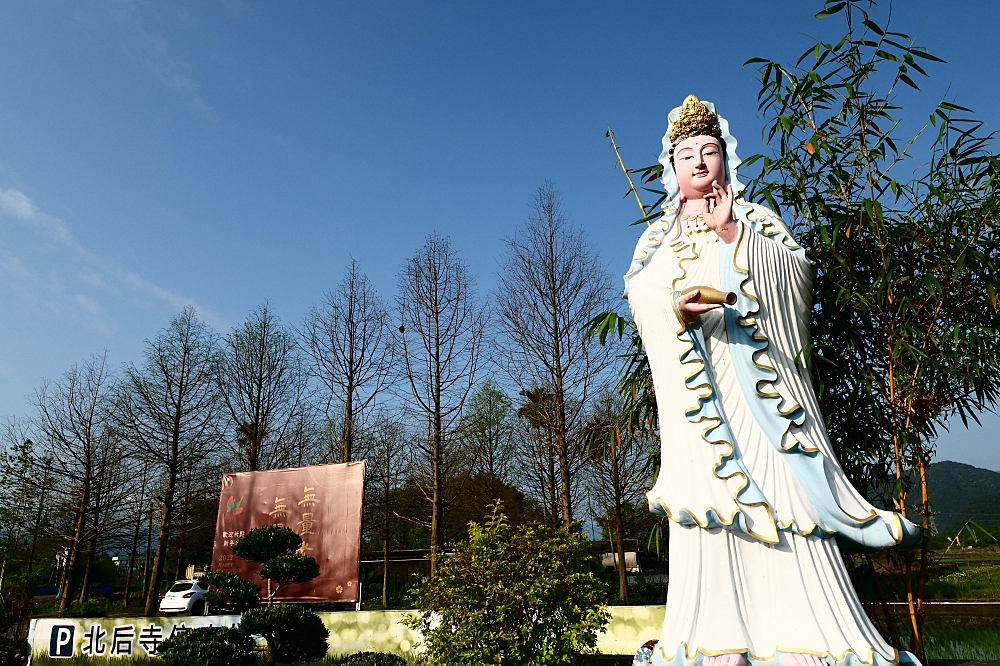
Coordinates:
(709,408)
(809,467)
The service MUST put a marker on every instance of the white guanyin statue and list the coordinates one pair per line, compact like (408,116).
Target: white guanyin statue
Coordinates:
(758,504)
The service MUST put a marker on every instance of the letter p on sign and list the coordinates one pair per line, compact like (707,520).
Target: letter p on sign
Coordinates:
(61,641)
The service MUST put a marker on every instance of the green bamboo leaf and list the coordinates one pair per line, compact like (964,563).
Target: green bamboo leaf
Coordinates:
(649,218)
(871,25)
(831,10)
(951,106)
(927,56)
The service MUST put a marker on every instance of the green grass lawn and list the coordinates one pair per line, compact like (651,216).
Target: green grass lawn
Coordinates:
(980,643)
(979,583)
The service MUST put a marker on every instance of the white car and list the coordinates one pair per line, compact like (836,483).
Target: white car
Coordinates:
(184,596)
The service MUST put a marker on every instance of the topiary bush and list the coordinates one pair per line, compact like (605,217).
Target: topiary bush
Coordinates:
(293,633)
(208,646)
(265,543)
(274,547)
(511,596)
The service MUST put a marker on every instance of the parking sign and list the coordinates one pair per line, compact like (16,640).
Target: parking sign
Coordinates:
(61,641)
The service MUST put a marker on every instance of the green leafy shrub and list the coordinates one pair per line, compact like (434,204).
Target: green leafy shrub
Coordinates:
(97,607)
(208,646)
(13,653)
(293,633)
(367,659)
(511,596)
(232,591)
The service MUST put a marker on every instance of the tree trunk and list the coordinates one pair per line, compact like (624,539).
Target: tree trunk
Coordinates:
(180,556)
(34,531)
(435,504)
(385,572)
(145,565)
(565,501)
(85,585)
(386,524)
(562,448)
(348,447)
(553,501)
(134,551)
(12,536)
(915,623)
(74,550)
(619,524)
(925,517)
(91,553)
(153,595)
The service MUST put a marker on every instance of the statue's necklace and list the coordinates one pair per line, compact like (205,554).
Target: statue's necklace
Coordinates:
(693,222)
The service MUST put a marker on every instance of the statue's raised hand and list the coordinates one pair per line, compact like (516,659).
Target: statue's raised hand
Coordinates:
(718,212)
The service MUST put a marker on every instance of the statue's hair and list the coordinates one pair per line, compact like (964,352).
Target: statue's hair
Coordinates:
(694,120)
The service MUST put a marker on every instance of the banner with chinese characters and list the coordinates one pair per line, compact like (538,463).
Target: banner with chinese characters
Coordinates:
(63,638)
(321,503)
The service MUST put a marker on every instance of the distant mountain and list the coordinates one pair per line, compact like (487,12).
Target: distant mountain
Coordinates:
(985,510)
(959,492)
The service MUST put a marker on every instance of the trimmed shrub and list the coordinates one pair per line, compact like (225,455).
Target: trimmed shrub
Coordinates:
(207,646)
(293,633)
(265,543)
(275,548)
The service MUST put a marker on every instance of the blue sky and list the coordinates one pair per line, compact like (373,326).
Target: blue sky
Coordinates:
(222,153)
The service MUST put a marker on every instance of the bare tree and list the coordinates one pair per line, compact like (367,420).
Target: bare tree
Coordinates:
(265,388)
(138,506)
(348,340)
(169,410)
(538,467)
(440,335)
(551,284)
(77,447)
(385,451)
(107,517)
(618,474)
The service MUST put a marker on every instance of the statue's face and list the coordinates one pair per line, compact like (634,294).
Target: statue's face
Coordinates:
(697,162)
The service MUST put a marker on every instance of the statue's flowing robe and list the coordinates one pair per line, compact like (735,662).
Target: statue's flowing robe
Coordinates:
(755,495)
